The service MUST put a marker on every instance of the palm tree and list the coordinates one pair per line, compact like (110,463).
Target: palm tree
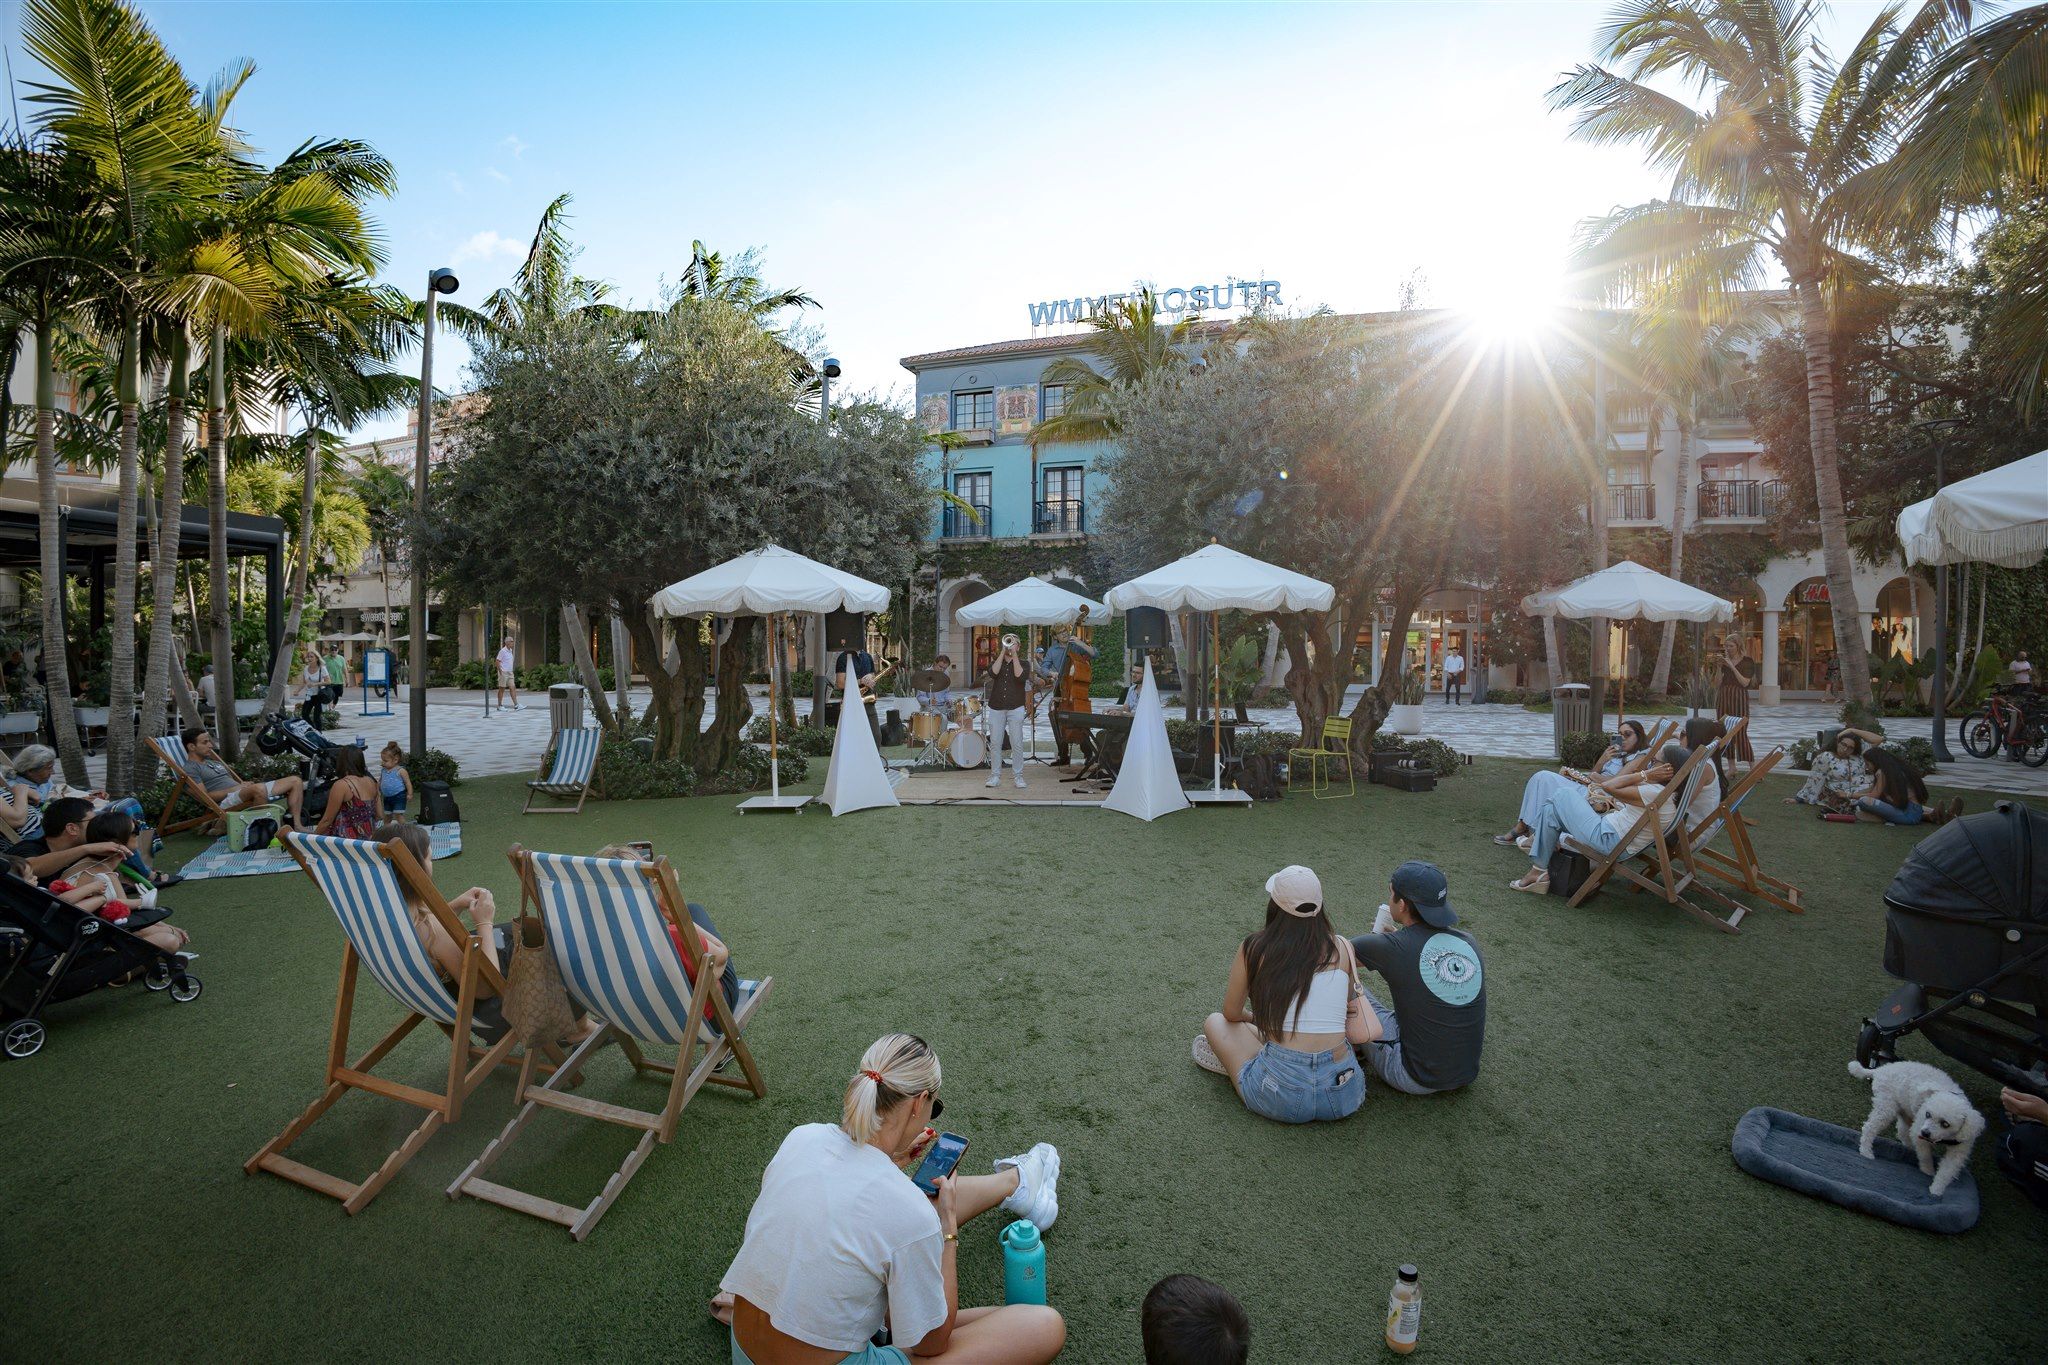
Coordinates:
(1784,164)
(1128,344)
(737,282)
(544,287)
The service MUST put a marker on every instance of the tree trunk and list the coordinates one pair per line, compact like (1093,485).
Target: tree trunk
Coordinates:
(163,564)
(1851,649)
(1596,654)
(576,635)
(1553,656)
(1311,670)
(717,745)
(56,657)
(218,587)
(121,648)
(288,648)
(1378,700)
(622,669)
(670,708)
(1660,678)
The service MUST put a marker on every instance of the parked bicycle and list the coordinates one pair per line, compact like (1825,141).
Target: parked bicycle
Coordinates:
(2014,717)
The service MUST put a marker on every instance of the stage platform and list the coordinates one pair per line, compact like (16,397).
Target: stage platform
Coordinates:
(969,787)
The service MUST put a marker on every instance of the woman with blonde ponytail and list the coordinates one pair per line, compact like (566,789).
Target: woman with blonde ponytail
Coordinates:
(841,1245)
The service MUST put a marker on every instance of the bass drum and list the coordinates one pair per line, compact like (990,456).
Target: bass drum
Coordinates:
(965,748)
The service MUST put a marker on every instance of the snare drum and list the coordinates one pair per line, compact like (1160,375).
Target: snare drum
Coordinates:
(965,748)
(967,712)
(926,726)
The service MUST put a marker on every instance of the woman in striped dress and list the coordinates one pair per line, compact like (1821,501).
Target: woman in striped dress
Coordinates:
(1731,698)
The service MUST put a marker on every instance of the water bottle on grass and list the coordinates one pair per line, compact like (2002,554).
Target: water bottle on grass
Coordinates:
(1023,1264)
(1404,1310)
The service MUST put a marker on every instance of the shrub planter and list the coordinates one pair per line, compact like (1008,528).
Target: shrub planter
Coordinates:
(1405,720)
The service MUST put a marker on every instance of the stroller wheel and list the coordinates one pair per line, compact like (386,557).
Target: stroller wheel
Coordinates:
(185,988)
(24,1038)
(1873,1048)
(158,977)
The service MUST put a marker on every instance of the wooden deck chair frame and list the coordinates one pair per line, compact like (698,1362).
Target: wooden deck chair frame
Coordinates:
(210,808)
(1741,868)
(468,1064)
(1671,879)
(1339,729)
(684,1079)
(544,785)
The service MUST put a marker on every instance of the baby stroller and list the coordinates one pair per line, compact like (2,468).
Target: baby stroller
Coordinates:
(1966,928)
(51,951)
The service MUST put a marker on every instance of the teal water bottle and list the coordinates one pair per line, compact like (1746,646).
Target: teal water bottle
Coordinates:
(1023,1264)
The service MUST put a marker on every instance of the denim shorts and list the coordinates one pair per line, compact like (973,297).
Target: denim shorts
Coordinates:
(1302,1087)
(871,1354)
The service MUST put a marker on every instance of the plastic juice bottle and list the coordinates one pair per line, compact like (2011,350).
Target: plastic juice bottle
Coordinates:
(1023,1264)
(1404,1310)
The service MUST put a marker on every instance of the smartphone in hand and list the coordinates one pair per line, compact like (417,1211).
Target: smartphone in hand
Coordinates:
(939,1163)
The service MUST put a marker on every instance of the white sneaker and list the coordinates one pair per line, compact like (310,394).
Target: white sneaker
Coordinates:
(1037,1197)
(1020,782)
(995,779)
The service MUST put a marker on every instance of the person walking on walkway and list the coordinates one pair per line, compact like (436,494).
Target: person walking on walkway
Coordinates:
(508,681)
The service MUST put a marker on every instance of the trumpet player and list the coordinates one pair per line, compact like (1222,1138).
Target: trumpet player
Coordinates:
(1008,697)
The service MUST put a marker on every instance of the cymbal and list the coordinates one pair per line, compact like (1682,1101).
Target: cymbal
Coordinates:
(930,680)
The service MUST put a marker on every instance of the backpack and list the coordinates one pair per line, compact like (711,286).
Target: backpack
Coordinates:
(437,804)
(258,833)
(1259,776)
(1568,872)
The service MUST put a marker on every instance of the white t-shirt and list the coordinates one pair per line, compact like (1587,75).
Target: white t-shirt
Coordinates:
(505,659)
(838,1240)
(1454,663)
(2022,671)
(206,690)
(1704,799)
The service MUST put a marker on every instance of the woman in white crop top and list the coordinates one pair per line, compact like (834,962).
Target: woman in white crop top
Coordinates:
(1297,970)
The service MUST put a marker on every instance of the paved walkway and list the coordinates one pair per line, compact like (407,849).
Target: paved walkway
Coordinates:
(502,741)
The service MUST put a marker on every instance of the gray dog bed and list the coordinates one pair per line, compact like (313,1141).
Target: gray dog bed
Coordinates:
(1821,1159)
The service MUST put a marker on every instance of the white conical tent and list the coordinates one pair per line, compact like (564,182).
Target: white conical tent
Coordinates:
(1629,592)
(1997,517)
(1029,602)
(1147,784)
(856,780)
(769,582)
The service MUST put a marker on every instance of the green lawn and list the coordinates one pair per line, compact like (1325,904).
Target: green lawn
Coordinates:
(1577,1202)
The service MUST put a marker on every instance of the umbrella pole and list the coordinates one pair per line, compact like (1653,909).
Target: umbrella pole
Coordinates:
(774,664)
(1215,707)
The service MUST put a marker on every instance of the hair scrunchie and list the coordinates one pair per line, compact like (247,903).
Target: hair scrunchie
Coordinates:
(874,1076)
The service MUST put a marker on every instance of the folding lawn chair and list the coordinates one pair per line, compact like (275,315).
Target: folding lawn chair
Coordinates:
(1335,745)
(1662,820)
(573,775)
(1739,868)
(170,750)
(365,885)
(608,927)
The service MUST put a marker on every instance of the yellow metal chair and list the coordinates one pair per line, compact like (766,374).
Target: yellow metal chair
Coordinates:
(1336,744)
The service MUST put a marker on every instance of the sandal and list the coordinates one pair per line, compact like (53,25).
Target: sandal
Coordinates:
(1540,886)
(1506,840)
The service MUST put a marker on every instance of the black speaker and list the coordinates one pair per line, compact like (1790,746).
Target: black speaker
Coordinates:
(845,630)
(1145,628)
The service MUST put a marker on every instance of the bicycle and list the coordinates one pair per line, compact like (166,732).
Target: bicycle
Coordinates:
(2013,717)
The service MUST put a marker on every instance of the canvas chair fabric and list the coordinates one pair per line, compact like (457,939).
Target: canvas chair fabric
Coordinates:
(1662,819)
(571,774)
(170,750)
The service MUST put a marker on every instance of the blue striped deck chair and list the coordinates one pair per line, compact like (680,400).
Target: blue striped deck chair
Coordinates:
(607,923)
(1661,827)
(366,886)
(170,750)
(1739,868)
(571,776)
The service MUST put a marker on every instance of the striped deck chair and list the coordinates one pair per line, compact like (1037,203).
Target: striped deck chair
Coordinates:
(365,885)
(170,751)
(607,925)
(572,775)
(1738,868)
(1662,820)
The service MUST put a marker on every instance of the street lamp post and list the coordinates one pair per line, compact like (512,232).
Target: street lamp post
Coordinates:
(827,372)
(439,281)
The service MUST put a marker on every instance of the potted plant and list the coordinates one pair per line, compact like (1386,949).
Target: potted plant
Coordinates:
(1405,716)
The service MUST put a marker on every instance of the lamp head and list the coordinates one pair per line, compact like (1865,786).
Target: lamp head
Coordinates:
(831,367)
(443,281)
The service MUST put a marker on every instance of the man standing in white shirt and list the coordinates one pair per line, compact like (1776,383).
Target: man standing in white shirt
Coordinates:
(2022,670)
(1454,678)
(508,682)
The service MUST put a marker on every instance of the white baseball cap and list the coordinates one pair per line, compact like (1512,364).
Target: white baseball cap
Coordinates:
(1294,886)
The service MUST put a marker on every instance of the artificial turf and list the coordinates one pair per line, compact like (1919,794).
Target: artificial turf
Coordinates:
(1577,1202)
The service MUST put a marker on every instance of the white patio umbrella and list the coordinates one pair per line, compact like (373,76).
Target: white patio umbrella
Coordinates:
(1997,517)
(1629,592)
(1029,602)
(769,582)
(1212,579)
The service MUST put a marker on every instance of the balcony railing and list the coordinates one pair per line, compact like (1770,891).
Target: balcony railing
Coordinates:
(1060,517)
(1739,499)
(1631,502)
(955,524)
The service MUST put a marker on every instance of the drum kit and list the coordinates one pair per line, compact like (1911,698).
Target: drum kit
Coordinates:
(952,738)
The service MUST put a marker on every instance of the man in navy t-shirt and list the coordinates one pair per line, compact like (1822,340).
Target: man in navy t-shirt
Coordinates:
(1430,1037)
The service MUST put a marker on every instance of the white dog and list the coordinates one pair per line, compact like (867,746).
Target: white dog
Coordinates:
(1928,1110)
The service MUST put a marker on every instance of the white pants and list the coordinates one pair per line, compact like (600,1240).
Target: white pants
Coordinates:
(1009,723)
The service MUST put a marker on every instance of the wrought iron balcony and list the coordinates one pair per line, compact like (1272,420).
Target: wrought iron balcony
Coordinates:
(1060,517)
(1631,502)
(1740,499)
(955,524)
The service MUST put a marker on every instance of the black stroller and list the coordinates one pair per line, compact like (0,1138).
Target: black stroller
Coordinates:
(51,951)
(1966,928)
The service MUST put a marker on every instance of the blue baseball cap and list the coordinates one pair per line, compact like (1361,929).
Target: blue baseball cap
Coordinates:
(1424,886)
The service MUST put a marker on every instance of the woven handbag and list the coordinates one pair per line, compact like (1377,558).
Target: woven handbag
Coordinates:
(536,1000)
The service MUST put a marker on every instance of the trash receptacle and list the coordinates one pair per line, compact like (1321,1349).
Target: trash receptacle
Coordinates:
(1571,713)
(565,706)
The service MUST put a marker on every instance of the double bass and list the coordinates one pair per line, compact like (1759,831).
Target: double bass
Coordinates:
(1077,672)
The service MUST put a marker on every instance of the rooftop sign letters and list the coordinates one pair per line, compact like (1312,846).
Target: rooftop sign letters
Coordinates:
(1194,298)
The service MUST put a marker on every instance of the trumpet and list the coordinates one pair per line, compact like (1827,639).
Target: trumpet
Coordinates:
(1010,642)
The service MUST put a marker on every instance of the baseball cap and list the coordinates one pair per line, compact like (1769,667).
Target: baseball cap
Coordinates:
(1294,886)
(1424,886)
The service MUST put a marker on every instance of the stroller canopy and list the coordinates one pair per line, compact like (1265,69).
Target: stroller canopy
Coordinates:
(1992,866)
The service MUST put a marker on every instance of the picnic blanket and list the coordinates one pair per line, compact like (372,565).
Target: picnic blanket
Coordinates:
(220,861)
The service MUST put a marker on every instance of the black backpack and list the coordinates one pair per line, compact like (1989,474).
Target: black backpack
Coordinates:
(437,804)
(1568,872)
(258,834)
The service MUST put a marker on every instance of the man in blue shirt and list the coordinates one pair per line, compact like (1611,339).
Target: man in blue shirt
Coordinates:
(1430,1037)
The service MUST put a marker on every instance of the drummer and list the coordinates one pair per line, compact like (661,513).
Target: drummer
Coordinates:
(940,699)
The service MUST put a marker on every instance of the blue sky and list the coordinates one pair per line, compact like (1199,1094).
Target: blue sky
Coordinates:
(926,171)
